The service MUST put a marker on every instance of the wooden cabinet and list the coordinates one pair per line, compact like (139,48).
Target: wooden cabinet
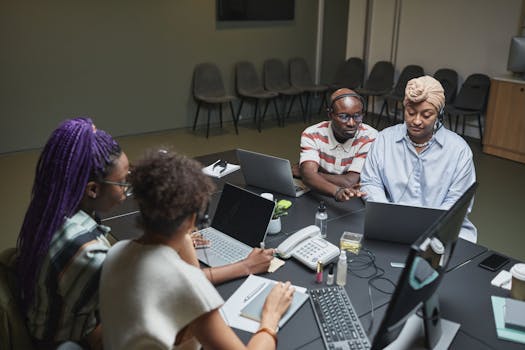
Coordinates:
(505,120)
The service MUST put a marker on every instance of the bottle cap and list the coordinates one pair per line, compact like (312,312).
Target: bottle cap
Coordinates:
(343,254)
(322,206)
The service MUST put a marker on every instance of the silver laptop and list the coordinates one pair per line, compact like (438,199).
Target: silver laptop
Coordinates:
(398,223)
(239,225)
(269,172)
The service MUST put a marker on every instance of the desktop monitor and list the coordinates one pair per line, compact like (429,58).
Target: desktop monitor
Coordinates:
(516,62)
(424,268)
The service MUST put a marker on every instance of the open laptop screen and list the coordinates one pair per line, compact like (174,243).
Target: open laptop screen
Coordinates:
(243,215)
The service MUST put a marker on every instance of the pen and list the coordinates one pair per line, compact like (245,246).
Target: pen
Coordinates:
(253,292)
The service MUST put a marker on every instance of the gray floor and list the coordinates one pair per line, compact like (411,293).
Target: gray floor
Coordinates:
(496,211)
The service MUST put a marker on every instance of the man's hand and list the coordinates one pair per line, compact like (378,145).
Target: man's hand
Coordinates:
(296,170)
(346,193)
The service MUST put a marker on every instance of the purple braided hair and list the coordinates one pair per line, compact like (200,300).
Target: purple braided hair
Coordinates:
(75,153)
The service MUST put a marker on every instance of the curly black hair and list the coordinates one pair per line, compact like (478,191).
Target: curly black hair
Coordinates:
(168,187)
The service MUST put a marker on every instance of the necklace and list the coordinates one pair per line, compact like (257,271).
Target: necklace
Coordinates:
(419,145)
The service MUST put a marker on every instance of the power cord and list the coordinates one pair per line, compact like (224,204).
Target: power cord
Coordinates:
(363,261)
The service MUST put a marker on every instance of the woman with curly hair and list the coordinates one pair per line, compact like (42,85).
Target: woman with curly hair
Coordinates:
(152,293)
(61,245)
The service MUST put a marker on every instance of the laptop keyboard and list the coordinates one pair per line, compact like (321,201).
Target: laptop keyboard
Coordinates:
(224,247)
(337,320)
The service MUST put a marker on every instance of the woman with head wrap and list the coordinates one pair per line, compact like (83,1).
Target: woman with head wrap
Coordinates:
(420,162)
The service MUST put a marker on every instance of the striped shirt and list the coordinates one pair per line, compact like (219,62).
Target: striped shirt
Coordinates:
(318,144)
(65,306)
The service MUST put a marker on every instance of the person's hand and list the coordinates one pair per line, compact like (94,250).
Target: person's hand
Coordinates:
(346,193)
(199,241)
(276,304)
(258,261)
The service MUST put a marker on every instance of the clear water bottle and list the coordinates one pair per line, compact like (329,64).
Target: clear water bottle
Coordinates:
(341,269)
(321,219)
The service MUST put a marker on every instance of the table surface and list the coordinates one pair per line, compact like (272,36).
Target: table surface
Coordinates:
(464,293)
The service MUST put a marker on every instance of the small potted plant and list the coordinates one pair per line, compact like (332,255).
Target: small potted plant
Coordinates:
(281,209)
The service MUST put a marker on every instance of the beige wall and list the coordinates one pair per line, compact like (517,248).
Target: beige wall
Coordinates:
(127,63)
(468,36)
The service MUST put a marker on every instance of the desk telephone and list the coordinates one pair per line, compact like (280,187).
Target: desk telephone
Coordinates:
(307,246)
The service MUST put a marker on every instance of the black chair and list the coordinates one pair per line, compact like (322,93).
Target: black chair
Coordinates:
(350,74)
(208,90)
(398,93)
(249,87)
(449,80)
(470,101)
(301,79)
(379,82)
(276,80)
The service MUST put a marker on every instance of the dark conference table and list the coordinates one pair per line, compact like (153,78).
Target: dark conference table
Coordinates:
(464,293)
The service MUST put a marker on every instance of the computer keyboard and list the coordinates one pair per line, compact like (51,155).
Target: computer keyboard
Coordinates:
(228,249)
(337,320)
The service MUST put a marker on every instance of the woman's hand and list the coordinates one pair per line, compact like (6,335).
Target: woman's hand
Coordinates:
(276,304)
(258,261)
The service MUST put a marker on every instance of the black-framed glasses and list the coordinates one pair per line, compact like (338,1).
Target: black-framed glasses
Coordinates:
(126,186)
(345,117)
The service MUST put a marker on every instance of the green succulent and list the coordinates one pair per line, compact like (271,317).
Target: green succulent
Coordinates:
(281,208)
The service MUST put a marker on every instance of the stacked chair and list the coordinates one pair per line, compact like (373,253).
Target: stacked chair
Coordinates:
(449,80)
(350,74)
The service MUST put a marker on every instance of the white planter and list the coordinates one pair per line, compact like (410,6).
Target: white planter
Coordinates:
(274,227)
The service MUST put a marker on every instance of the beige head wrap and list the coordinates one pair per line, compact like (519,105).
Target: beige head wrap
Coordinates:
(427,89)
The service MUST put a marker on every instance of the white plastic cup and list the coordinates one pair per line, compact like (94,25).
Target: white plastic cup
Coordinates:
(517,290)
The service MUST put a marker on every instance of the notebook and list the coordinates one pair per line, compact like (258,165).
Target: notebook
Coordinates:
(398,223)
(269,172)
(239,225)
(253,310)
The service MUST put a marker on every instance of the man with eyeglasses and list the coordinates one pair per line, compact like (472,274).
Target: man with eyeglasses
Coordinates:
(333,152)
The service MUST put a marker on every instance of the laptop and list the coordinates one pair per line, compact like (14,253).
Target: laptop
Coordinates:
(239,225)
(398,223)
(269,172)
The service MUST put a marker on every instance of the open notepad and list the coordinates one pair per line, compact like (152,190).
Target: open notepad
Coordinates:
(216,169)
(243,309)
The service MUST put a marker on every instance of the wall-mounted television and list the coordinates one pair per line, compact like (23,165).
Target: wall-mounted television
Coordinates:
(516,62)
(255,10)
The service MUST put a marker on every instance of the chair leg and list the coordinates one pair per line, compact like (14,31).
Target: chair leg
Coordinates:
(235,121)
(239,110)
(395,111)
(384,106)
(220,114)
(480,129)
(263,115)
(290,107)
(208,124)
(280,122)
(196,116)
(255,112)
(306,116)
(457,120)
(324,102)
(464,122)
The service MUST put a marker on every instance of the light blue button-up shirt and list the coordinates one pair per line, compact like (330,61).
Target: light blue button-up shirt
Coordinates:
(436,177)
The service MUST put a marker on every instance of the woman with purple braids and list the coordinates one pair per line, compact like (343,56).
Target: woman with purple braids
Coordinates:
(62,245)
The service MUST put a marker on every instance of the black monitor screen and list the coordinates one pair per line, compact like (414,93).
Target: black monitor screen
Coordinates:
(255,10)
(424,268)
(516,62)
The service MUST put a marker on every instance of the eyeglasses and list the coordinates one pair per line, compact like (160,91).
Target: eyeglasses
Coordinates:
(126,186)
(345,117)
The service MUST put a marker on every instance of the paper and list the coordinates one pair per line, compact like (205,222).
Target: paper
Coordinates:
(498,305)
(217,170)
(275,264)
(231,310)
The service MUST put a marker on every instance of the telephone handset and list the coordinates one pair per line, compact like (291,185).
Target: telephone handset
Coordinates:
(307,246)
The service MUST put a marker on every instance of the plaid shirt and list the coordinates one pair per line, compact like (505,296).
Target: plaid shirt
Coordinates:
(318,144)
(65,306)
